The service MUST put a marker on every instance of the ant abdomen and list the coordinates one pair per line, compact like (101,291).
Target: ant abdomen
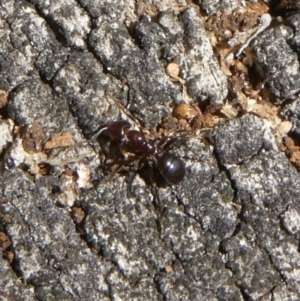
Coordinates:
(171,168)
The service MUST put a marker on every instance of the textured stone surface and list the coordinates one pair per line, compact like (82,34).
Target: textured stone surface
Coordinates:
(292,112)
(71,229)
(275,56)
(212,7)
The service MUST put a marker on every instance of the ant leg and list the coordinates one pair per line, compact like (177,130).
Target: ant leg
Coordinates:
(166,142)
(148,174)
(136,121)
(121,164)
(157,203)
(169,143)
(111,176)
(96,135)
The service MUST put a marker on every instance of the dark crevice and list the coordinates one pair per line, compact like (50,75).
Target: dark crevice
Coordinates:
(105,69)
(15,265)
(237,228)
(281,222)
(227,173)
(186,209)
(3,112)
(245,295)
(59,35)
(284,8)
(158,288)
(294,45)
(282,277)
(14,262)
(3,152)
(115,264)
(87,41)
(68,292)
(134,37)
(85,8)
(79,223)
(243,291)
(44,78)
(15,88)
(285,103)
(110,292)
(270,292)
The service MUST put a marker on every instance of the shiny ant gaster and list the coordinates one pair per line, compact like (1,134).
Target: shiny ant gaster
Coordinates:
(131,141)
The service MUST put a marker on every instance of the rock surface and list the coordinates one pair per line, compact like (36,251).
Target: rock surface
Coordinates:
(72,228)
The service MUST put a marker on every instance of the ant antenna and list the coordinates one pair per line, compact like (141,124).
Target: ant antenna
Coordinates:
(125,111)
(96,135)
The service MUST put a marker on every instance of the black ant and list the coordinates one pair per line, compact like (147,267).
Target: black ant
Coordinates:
(134,142)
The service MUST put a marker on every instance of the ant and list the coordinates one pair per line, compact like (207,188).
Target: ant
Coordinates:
(134,142)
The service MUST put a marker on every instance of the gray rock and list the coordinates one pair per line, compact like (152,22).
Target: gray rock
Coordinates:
(212,7)
(276,58)
(71,227)
(267,189)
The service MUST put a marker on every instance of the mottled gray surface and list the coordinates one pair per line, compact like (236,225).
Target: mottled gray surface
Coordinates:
(275,56)
(229,231)
(212,7)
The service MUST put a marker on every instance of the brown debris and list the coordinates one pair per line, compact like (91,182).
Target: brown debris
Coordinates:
(33,137)
(259,8)
(5,244)
(189,116)
(3,98)
(184,111)
(5,241)
(265,110)
(237,21)
(173,71)
(231,30)
(150,9)
(208,119)
(60,140)
(77,214)
(169,269)
(228,24)
(292,150)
